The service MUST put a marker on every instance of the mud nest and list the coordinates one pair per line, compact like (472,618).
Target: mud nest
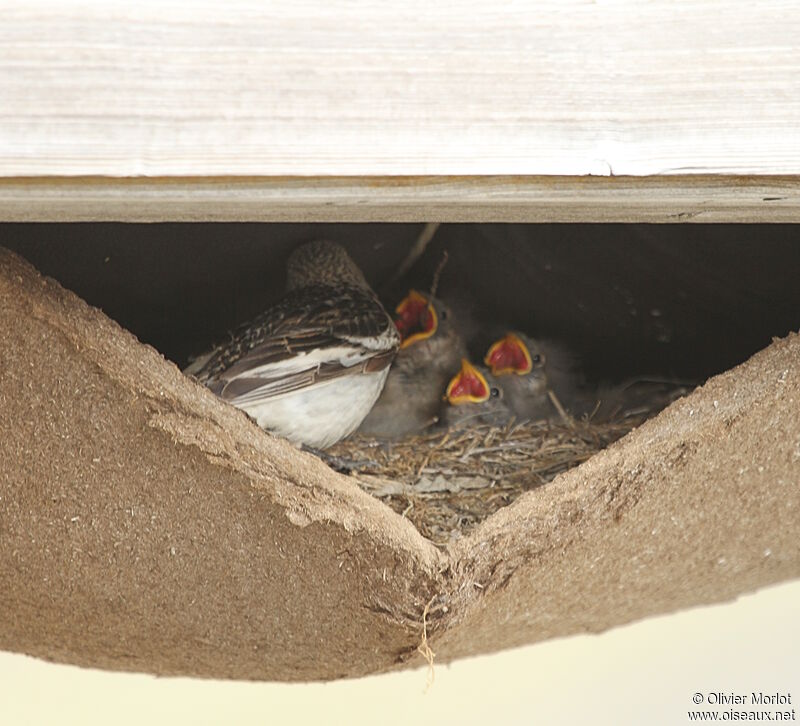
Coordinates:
(447,482)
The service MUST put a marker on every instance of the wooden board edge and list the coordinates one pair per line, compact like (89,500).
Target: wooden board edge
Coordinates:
(654,199)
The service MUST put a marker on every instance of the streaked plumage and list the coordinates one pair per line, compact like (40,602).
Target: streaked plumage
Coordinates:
(310,367)
(429,354)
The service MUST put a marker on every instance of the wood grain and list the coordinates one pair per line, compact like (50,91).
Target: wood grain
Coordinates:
(250,88)
(668,199)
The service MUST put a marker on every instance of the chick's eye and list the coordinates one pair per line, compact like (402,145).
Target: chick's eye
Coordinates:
(443,314)
(494,392)
(537,358)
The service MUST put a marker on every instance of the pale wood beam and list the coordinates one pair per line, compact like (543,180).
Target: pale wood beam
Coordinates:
(248,87)
(298,111)
(405,199)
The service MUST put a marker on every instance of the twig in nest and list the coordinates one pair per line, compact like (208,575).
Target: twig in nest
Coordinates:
(428,231)
(438,273)
(565,417)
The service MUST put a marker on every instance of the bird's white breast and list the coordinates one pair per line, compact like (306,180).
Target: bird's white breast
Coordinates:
(322,414)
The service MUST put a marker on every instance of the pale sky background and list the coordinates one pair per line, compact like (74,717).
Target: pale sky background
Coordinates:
(644,673)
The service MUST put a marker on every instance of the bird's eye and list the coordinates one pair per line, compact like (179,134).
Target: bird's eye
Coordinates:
(537,358)
(494,392)
(443,314)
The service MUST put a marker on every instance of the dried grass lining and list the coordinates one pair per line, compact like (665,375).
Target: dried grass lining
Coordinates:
(448,482)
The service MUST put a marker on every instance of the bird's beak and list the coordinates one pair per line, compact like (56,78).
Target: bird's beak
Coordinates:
(467,386)
(416,319)
(509,355)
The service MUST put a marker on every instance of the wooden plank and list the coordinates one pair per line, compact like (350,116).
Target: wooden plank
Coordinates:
(405,199)
(254,88)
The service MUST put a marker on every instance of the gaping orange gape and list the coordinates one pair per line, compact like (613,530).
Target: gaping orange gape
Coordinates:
(467,386)
(416,319)
(510,355)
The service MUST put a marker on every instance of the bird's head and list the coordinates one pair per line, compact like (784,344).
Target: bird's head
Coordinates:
(511,356)
(469,385)
(322,263)
(416,318)
(473,397)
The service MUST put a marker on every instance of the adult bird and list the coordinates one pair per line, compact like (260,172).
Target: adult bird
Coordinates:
(310,367)
(430,350)
(473,396)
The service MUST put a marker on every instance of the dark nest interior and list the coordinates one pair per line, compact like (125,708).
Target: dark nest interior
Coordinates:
(648,310)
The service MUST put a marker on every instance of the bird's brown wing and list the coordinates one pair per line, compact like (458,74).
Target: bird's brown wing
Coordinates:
(246,388)
(313,335)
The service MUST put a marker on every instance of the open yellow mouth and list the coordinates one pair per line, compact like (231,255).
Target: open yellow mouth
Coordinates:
(416,319)
(467,386)
(509,355)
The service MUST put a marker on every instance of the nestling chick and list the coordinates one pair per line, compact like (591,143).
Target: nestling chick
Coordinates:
(528,368)
(311,367)
(472,397)
(430,350)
